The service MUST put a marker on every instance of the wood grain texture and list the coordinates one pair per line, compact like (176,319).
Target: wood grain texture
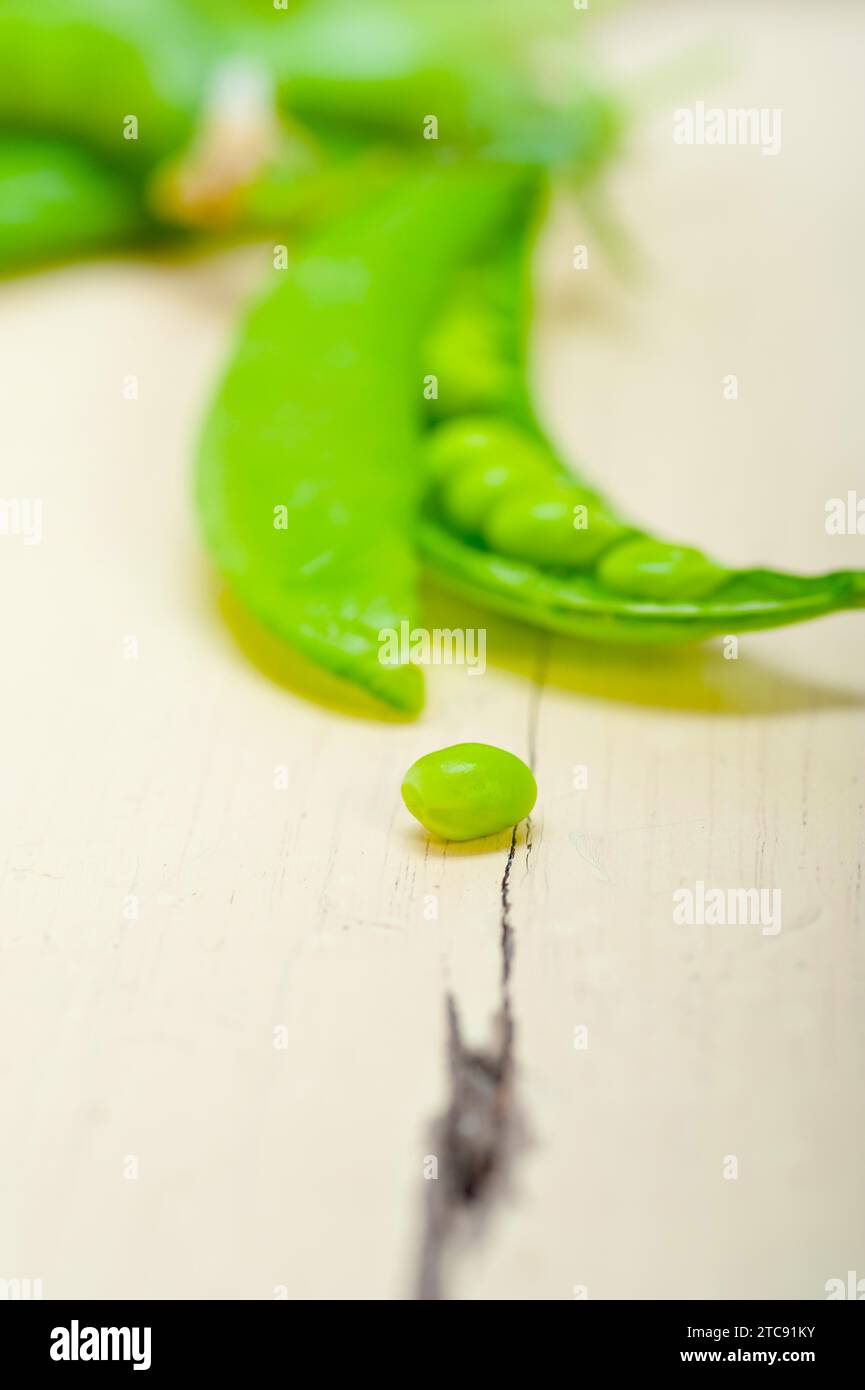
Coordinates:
(268,1037)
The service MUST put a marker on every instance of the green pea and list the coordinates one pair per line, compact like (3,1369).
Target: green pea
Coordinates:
(468,497)
(469,790)
(558,525)
(643,568)
(482,439)
(472,374)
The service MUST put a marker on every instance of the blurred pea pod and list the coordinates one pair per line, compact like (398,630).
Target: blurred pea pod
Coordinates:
(450,71)
(200,99)
(56,198)
(83,68)
(59,200)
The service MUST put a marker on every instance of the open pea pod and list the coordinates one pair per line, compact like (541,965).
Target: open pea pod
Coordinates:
(308,479)
(506,523)
(579,604)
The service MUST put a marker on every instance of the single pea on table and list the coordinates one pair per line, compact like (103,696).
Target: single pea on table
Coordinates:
(469,790)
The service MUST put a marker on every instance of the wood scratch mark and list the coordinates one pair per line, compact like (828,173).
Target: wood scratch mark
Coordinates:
(477,1138)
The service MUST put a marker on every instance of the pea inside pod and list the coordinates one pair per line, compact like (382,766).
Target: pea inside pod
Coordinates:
(472,374)
(645,568)
(483,440)
(468,498)
(553,525)
(469,790)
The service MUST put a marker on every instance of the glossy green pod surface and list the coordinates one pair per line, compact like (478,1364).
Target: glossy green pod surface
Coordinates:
(308,474)
(577,604)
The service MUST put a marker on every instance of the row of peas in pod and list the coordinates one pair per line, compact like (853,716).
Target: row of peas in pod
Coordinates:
(500,486)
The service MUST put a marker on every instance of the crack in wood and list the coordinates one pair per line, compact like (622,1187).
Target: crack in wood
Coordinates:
(476,1139)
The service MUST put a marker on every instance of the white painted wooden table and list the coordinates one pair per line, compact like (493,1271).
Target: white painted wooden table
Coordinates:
(223,1026)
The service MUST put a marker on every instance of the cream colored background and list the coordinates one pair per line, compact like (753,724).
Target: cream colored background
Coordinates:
(259,908)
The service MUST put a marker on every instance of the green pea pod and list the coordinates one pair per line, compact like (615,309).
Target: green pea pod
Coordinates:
(578,604)
(57,200)
(198,103)
(400,65)
(608,582)
(91,69)
(307,484)
(130,79)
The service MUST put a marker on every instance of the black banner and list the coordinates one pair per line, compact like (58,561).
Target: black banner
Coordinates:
(218,1338)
